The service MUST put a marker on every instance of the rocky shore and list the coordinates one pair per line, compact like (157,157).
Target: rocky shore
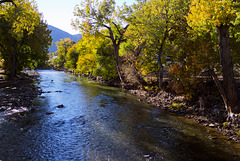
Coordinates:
(16,96)
(213,116)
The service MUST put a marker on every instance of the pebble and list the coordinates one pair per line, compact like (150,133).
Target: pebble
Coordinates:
(211,125)
(146,156)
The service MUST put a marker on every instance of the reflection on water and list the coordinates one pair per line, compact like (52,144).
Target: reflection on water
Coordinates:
(103,123)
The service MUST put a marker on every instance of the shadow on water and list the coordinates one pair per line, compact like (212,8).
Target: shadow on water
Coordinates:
(98,122)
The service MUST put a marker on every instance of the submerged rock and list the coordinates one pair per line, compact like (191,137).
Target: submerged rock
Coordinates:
(49,113)
(60,106)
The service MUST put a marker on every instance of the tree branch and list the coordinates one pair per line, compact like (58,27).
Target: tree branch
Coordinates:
(4,1)
(121,35)
(221,90)
(117,28)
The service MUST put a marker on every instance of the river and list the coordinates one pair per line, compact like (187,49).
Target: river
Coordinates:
(104,123)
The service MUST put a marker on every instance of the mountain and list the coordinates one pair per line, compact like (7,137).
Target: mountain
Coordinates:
(58,34)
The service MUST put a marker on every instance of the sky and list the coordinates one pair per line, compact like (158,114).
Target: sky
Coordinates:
(59,13)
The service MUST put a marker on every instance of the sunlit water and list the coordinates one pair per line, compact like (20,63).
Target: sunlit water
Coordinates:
(103,123)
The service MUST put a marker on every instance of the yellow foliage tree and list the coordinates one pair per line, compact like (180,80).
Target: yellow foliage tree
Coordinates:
(218,15)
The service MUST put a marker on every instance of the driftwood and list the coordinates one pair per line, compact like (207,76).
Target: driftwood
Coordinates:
(222,92)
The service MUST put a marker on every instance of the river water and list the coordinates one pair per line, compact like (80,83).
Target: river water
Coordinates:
(104,123)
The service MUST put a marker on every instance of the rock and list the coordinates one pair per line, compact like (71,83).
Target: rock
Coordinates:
(49,113)
(211,125)
(2,109)
(146,156)
(60,106)
(82,123)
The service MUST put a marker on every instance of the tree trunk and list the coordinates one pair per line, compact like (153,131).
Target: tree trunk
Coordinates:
(116,44)
(160,54)
(161,68)
(229,84)
(13,62)
(117,58)
(222,92)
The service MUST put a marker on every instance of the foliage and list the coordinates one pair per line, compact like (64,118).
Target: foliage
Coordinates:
(71,58)
(203,18)
(218,16)
(152,23)
(93,16)
(24,39)
(63,47)
(178,35)
(95,57)
(106,65)
(206,14)
(86,59)
(184,82)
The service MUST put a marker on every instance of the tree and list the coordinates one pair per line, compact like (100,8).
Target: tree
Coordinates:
(86,49)
(218,15)
(153,22)
(71,58)
(106,65)
(63,47)
(93,16)
(24,36)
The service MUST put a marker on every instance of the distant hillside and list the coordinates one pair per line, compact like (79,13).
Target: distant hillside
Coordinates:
(58,34)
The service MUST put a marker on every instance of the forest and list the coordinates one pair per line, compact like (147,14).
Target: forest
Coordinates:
(185,47)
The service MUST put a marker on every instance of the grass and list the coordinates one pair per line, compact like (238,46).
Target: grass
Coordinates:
(176,105)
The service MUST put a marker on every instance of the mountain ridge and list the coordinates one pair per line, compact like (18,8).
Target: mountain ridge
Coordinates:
(58,34)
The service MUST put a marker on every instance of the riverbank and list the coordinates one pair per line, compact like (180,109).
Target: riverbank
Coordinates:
(16,96)
(213,116)
(209,112)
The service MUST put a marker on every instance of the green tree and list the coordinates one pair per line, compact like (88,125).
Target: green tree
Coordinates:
(86,49)
(106,65)
(93,16)
(63,46)
(218,15)
(153,22)
(24,36)
(71,58)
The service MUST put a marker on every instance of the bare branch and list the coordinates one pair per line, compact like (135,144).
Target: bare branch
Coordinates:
(125,28)
(106,26)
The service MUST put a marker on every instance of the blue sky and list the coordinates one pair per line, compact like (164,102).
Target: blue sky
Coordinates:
(59,13)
